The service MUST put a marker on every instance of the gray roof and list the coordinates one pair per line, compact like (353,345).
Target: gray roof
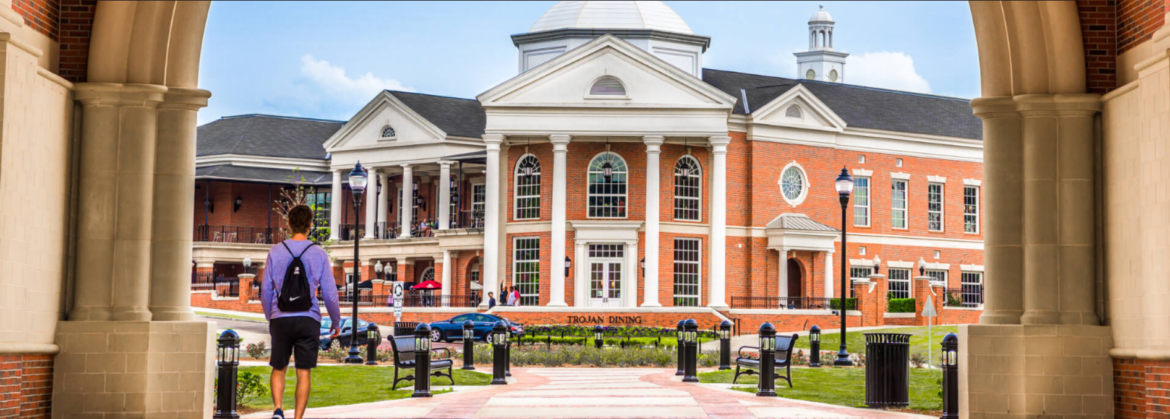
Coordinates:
(266,135)
(859,106)
(265,175)
(797,222)
(455,116)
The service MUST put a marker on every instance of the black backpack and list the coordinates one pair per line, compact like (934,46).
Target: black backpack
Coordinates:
(295,295)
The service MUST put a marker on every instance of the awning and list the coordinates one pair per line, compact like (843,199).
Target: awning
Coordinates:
(428,285)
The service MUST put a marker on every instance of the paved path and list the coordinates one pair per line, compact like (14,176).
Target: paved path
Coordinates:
(597,393)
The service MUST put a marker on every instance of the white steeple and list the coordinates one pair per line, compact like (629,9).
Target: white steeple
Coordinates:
(821,62)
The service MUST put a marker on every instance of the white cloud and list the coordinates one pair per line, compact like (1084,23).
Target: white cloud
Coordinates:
(335,83)
(887,70)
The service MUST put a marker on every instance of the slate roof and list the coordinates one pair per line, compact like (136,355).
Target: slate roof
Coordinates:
(797,222)
(455,116)
(859,106)
(265,175)
(266,135)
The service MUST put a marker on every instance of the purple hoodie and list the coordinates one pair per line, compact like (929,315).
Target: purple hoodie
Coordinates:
(320,273)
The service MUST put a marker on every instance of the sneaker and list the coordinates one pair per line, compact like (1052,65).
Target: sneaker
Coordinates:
(278,414)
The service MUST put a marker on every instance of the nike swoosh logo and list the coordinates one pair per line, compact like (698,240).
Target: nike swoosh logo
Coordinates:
(294,298)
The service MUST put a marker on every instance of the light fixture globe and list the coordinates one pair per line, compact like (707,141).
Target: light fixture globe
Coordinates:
(247,262)
(921,266)
(357,178)
(877,264)
(607,172)
(378,267)
(844,183)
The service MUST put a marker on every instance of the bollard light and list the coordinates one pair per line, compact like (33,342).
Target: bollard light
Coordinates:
(691,334)
(422,361)
(767,385)
(598,335)
(950,367)
(228,355)
(371,344)
(468,345)
(814,339)
(499,342)
(679,348)
(725,345)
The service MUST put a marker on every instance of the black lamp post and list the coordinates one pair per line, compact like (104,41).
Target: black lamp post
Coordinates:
(767,386)
(691,334)
(568,264)
(642,264)
(499,342)
(679,347)
(372,344)
(468,345)
(814,347)
(422,361)
(357,183)
(725,345)
(598,336)
(844,189)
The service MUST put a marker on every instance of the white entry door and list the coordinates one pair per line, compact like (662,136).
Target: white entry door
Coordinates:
(606,265)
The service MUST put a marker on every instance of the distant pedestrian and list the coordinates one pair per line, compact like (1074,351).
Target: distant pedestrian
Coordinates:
(295,271)
(390,300)
(516,296)
(511,298)
(491,300)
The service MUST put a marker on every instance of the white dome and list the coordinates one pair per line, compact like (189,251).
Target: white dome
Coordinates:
(611,15)
(821,16)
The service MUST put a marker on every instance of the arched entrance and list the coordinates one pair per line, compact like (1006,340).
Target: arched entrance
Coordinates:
(795,280)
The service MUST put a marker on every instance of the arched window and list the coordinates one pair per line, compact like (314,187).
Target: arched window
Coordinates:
(793,184)
(607,186)
(388,132)
(793,111)
(688,180)
(527,188)
(607,86)
(427,275)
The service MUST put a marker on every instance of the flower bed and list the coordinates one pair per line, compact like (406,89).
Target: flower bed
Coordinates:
(583,355)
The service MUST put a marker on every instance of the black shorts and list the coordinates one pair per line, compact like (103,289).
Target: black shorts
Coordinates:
(294,336)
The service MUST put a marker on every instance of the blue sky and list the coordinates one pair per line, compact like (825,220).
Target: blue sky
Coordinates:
(327,60)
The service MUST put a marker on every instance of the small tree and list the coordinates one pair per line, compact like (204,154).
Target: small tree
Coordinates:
(299,195)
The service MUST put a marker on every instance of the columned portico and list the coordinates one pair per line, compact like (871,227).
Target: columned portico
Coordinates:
(829,274)
(336,206)
(447,268)
(371,198)
(383,187)
(406,191)
(719,221)
(444,200)
(653,150)
(492,219)
(557,251)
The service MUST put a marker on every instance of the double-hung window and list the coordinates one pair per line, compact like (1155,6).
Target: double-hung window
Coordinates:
(971,209)
(687,194)
(972,289)
(899,283)
(527,188)
(898,203)
(526,269)
(861,202)
(859,273)
(686,272)
(937,276)
(934,207)
(478,195)
(607,186)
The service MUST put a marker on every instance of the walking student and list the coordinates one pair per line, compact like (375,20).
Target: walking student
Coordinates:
(295,270)
(491,301)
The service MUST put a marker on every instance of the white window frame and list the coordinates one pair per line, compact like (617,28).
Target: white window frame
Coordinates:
(482,204)
(852,271)
(625,90)
(973,215)
(905,209)
(697,174)
(891,280)
(625,196)
(805,184)
(517,197)
(868,201)
(940,214)
(935,279)
(698,266)
(382,133)
(982,292)
(516,263)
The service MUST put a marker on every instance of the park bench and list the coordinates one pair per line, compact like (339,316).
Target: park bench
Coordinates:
(783,353)
(403,348)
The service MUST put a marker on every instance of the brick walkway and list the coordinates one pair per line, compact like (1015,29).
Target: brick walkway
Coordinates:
(597,393)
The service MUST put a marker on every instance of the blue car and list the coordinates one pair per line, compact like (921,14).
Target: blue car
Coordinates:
(448,330)
(342,341)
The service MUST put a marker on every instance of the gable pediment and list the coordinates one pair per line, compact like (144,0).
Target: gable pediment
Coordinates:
(364,130)
(798,108)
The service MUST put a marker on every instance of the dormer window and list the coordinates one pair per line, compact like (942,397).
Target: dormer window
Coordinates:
(608,86)
(388,133)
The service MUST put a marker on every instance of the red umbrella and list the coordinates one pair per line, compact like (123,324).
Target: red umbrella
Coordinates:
(428,285)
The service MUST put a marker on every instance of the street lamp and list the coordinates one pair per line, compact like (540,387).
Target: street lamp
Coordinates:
(378,269)
(568,264)
(877,264)
(921,266)
(643,265)
(247,264)
(357,183)
(844,189)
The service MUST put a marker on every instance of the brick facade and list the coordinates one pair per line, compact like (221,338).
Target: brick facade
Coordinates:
(1099,34)
(44,16)
(26,386)
(1140,388)
(1136,21)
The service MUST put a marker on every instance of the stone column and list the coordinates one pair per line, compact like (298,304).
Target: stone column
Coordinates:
(444,195)
(559,219)
(245,284)
(118,146)
(1077,219)
(336,207)
(174,196)
(1003,209)
(782,267)
(829,275)
(371,196)
(407,196)
(653,179)
(1041,220)
(491,231)
(383,206)
(446,281)
(719,221)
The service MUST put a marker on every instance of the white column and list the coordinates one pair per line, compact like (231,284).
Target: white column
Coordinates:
(491,230)
(829,275)
(444,195)
(336,207)
(783,268)
(719,221)
(581,266)
(407,191)
(383,207)
(371,195)
(653,149)
(557,249)
(447,268)
(630,285)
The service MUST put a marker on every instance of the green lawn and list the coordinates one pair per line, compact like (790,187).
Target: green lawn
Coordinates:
(349,385)
(839,386)
(831,339)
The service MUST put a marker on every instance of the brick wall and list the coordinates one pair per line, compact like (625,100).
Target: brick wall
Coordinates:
(26,386)
(76,24)
(1136,21)
(1099,34)
(41,15)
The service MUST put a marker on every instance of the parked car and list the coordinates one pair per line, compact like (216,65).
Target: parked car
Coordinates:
(452,329)
(342,341)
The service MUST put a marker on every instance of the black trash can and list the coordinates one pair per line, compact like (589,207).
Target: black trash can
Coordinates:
(887,369)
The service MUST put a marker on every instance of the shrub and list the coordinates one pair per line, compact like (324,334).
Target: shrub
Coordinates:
(567,340)
(611,331)
(249,388)
(918,359)
(258,350)
(798,358)
(901,305)
(850,303)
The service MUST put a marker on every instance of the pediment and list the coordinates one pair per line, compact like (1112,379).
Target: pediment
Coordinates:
(565,81)
(364,130)
(798,108)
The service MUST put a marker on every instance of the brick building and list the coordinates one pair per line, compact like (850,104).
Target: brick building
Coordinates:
(614,140)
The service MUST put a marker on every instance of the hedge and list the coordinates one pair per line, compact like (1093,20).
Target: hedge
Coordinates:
(835,303)
(582,355)
(901,305)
